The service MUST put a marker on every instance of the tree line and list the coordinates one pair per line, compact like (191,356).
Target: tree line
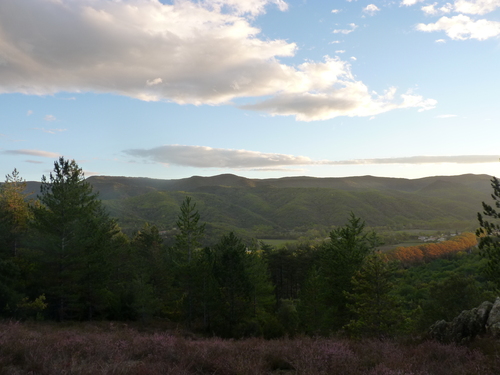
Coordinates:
(411,255)
(62,257)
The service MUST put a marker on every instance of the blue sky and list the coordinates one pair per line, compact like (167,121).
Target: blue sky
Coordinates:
(258,88)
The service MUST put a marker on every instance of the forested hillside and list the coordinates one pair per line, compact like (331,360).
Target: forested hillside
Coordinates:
(289,207)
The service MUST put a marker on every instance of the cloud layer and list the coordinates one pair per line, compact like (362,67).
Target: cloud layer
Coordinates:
(461,27)
(207,157)
(204,52)
(43,154)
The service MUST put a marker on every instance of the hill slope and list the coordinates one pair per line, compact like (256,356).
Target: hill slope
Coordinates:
(229,202)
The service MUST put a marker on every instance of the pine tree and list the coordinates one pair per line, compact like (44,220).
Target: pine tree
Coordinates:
(233,283)
(14,217)
(151,271)
(375,310)
(312,308)
(74,236)
(341,258)
(489,233)
(191,232)
(187,244)
(244,299)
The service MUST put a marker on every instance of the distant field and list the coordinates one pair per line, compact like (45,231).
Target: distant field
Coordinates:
(277,243)
(419,231)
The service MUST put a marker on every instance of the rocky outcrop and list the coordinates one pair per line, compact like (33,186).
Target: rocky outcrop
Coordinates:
(484,319)
(493,322)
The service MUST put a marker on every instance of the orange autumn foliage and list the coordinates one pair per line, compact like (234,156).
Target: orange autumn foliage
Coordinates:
(412,255)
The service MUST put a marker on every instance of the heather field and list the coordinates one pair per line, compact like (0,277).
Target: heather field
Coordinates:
(109,348)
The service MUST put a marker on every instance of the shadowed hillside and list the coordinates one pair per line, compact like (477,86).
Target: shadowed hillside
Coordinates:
(279,206)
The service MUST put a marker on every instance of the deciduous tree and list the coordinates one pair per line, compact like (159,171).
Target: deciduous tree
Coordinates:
(14,213)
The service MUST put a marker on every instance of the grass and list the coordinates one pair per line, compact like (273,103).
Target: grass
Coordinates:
(109,348)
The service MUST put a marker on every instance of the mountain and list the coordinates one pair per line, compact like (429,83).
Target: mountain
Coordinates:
(281,206)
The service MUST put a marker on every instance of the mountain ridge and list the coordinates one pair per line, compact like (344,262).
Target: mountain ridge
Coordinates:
(260,207)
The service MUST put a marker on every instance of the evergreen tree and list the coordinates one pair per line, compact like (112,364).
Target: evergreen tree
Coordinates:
(312,307)
(244,298)
(14,217)
(375,310)
(151,271)
(187,244)
(234,300)
(75,237)
(151,257)
(341,258)
(191,231)
(489,233)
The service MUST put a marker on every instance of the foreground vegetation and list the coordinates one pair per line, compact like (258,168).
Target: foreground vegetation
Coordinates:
(92,348)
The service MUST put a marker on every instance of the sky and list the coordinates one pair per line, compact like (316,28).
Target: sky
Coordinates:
(257,88)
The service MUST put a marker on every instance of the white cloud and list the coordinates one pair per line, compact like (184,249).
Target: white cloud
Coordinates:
(49,118)
(340,51)
(476,7)
(410,2)
(117,47)
(188,52)
(479,7)
(43,154)
(432,10)
(346,31)
(208,157)
(440,41)
(353,58)
(335,11)
(239,7)
(349,98)
(371,9)
(29,113)
(416,101)
(462,27)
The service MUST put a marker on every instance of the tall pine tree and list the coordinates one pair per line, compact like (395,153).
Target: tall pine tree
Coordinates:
(489,232)
(374,308)
(187,246)
(340,259)
(75,237)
